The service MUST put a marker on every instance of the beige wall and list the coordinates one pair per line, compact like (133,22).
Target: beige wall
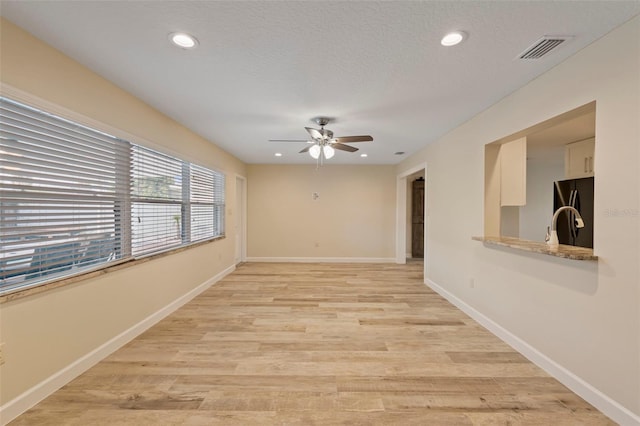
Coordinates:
(583,316)
(49,331)
(354,216)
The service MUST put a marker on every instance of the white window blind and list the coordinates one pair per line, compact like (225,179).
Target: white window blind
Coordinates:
(60,192)
(156,201)
(206,189)
(73,198)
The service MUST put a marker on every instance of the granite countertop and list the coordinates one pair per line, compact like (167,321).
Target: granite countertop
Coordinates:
(568,252)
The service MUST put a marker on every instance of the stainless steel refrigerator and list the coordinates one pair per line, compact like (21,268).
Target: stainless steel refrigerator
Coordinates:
(577,193)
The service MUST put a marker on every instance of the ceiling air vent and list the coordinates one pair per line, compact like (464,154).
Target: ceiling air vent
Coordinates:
(543,46)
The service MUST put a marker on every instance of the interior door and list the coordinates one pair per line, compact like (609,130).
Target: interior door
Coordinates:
(417,219)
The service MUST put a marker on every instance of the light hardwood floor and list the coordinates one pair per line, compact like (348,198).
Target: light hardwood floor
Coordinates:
(316,344)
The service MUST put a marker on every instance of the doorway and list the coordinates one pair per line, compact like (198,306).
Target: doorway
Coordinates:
(404,216)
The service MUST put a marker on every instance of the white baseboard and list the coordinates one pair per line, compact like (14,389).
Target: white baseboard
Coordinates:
(31,397)
(322,259)
(593,396)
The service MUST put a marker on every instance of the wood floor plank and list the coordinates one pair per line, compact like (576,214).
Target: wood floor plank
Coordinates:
(316,344)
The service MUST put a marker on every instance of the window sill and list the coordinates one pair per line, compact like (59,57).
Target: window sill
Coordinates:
(567,252)
(19,293)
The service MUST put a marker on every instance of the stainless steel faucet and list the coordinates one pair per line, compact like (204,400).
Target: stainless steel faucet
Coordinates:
(553,236)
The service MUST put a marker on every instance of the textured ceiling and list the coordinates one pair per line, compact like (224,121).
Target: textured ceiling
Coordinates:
(264,69)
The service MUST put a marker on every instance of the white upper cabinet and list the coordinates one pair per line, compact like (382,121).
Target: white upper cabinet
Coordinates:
(578,159)
(513,173)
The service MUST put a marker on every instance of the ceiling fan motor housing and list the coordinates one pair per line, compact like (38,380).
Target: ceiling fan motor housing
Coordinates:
(321,121)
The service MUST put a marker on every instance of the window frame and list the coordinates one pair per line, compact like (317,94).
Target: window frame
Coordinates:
(124,206)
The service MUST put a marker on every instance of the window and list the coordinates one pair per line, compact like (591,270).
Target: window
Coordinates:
(73,198)
(156,201)
(206,197)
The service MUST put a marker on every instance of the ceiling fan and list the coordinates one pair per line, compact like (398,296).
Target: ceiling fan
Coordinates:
(323,144)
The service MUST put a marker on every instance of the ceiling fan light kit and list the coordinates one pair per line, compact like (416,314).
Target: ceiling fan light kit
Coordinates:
(323,144)
(328,151)
(314,151)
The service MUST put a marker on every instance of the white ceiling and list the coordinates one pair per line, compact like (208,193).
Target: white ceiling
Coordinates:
(264,69)
(548,145)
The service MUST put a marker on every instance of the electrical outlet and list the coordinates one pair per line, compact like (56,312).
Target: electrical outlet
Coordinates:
(1,353)
(472,283)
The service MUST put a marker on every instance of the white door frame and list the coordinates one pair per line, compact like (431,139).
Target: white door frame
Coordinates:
(401,213)
(240,254)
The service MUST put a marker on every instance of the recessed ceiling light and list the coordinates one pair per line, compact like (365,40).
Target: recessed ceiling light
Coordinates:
(183,40)
(363,155)
(453,38)
(278,154)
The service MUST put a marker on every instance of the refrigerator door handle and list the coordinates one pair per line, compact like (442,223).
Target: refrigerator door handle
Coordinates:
(572,216)
(576,205)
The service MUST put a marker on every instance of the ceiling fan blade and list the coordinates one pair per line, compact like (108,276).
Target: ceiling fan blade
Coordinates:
(342,147)
(351,139)
(315,133)
(305,149)
(288,140)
